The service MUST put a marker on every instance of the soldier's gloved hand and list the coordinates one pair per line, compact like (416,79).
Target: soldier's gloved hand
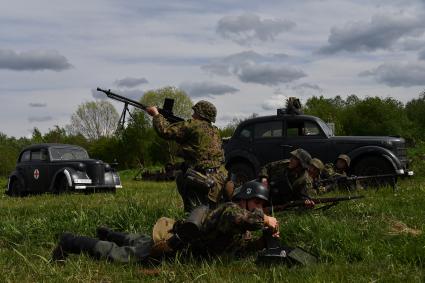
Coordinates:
(152,110)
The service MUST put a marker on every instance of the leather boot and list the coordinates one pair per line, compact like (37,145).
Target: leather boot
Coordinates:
(73,244)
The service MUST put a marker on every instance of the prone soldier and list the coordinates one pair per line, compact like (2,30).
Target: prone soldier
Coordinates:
(206,232)
(287,179)
(203,176)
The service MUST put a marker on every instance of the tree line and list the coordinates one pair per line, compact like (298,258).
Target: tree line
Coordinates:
(94,127)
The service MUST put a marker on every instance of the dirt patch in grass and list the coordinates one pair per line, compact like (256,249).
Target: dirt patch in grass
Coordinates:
(399,228)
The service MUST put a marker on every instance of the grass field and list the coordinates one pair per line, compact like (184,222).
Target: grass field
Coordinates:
(376,239)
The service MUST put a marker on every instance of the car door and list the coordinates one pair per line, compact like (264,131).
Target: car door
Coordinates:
(267,141)
(38,172)
(305,134)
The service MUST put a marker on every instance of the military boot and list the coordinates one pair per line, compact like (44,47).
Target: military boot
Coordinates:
(106,234)
(73,244)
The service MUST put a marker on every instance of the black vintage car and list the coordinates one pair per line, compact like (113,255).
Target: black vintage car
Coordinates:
(261,140)
(60,168)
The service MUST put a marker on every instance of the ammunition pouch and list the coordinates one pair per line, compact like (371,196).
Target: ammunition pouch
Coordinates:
(198,181)
(191,229)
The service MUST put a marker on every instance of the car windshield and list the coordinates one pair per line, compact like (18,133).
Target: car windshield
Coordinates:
(328,131)
(68,153)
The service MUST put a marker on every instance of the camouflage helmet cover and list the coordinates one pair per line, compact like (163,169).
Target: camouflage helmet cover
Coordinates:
(346,158)
(317,163)
(303,156)
(205,110)
(250,190)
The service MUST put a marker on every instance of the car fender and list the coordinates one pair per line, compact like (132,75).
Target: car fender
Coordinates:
(67,171)
(240,155)
(17,175)
(376,150)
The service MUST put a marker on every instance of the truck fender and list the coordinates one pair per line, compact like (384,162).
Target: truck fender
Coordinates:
(67,172)
(375,150)
(238,155)
(19,177)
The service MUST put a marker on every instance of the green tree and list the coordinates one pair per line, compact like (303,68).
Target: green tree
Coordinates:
(415,110)
(94,120)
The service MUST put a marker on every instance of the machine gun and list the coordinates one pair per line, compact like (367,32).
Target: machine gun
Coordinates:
(166,110)
(301,203)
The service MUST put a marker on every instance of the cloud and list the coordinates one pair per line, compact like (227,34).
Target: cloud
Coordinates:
(32,119)
(252,67)
(268,75)
(382,32)
(421,54)
(35,60)
(37,104)
(301,88)
(398,75)
(275,102)
(204,89)
(130,82)
(246,28)
(134,94)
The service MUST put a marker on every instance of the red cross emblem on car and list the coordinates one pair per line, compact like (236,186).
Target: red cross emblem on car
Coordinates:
(36,174)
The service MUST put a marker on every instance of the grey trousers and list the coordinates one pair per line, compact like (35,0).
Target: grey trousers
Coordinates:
(136,248)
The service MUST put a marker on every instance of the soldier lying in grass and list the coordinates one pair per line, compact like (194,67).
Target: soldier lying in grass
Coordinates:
(206,232)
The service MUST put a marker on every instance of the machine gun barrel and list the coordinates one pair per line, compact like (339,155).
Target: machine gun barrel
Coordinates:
(166,111)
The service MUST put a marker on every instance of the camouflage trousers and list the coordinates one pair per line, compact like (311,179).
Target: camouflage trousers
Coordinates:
(194,196)
(129,248)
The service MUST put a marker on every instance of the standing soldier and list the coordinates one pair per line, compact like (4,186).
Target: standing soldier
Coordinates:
(202,177)
(287,179)
(206,232)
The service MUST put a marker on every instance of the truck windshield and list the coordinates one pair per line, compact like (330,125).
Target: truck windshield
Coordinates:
(68,153)
(328,131)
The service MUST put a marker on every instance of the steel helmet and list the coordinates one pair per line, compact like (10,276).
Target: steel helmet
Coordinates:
(250,190)
(205,110)
(303,156)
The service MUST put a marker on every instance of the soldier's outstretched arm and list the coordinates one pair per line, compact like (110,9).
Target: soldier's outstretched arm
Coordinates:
(166,130)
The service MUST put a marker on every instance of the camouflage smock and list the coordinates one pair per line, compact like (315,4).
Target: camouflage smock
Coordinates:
(200,141)
(225,230)
(285,184)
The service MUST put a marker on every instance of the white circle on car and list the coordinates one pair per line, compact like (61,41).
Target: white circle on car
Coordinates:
(36,174)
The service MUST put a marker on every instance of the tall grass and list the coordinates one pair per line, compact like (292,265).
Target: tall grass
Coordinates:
(379,238)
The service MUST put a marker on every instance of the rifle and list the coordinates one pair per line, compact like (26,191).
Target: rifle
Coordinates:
(340,179)
(166,110)
(300,203)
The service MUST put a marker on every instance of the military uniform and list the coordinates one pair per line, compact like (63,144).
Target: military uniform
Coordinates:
(285,184)
(201,149)
(223,230)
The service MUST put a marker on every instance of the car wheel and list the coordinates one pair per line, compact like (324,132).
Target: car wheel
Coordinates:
(62,185)
(375,165)
(16,188)
(241,173)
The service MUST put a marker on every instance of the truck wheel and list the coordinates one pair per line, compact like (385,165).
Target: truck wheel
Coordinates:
(62,185)
(16,188)
(241,173)
(375,165)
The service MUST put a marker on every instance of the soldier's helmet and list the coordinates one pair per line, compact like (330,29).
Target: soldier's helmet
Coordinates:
(346,158)
(205,110)
(303,156)
(250,190)
(317,163)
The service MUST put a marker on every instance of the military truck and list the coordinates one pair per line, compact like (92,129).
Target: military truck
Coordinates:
(261,140)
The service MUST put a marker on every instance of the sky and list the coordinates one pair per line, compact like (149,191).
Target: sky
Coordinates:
(244,56)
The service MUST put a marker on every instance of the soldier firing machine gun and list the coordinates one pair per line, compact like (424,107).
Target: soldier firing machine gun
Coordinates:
(166,110)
